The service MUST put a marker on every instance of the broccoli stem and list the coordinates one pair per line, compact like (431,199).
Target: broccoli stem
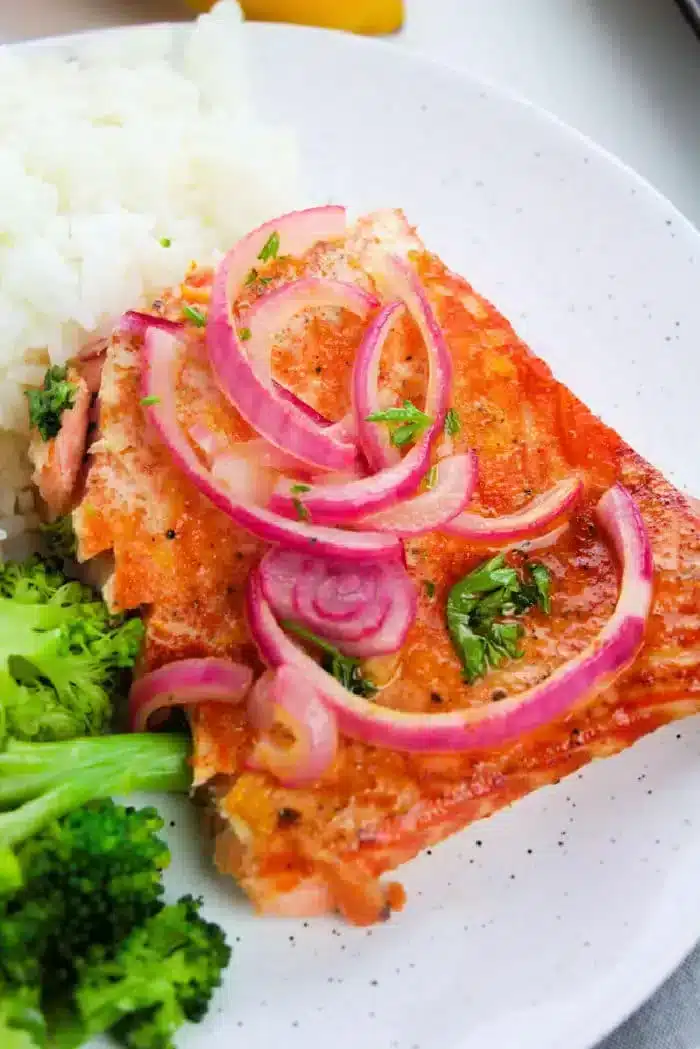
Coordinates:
(47,780)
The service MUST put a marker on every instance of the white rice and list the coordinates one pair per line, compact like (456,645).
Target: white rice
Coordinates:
(106,155)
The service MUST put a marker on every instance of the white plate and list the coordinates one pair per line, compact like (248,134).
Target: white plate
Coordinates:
(545,926)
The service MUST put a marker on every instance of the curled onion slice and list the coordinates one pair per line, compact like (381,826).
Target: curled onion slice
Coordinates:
(185,683)
(373,437)
(273,311)
(137,323)
(283,697)
(274,418)
(610,653)
(160,356)
(363,609)
(342,503)
(538,516)
(454,487)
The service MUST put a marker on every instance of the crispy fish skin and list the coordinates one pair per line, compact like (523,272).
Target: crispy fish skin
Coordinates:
(308,850)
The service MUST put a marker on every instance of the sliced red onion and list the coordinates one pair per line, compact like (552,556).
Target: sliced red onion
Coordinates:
(160,356)
(452,491)
(284,697)
(373,437)
(272,312)
(137,323)
(274,418)
(288,395)
(537,517)
(183,684)
(492,725)
(340,504)
(362,609)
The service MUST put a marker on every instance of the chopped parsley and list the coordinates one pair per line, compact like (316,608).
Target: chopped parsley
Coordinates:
(344,669)
(194,315)
(297,489)
(452,423)
(406,423)
(254,276)
(481,611)
(429,587)
(165,242)
(47,405)
(270,248)
(244,334)
(302,513)
(148,401)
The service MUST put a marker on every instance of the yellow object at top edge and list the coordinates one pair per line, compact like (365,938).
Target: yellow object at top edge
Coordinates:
(355,16)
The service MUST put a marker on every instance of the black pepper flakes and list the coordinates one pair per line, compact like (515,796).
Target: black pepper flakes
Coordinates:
(435,697)
(170,534)
(498,694)
(318,369)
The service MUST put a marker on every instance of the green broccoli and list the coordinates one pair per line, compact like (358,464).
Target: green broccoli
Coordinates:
(163,974)
(47,404)
(22,1024)
(61,654)
(41,782)
(59,537)
(87,879)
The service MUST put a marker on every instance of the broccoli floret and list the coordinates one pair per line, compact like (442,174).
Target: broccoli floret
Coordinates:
(59,537)
(47,404)
(163,974)
(22,1024)
(61,654)
(87,879)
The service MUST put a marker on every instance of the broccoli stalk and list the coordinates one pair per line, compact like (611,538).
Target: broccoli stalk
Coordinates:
(61,654)
(44,781)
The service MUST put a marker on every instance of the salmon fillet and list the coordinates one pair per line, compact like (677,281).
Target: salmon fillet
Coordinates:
(307,850)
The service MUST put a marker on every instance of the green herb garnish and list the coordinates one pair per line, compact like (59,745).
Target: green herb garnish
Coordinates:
(47,405)
(452,423)
(302,513)
(194,315)
(481,610)
(148,401)
(254,276)
(344,669)
(165,242)
(244,334)
(270,248)
(431,478)
(429,587)
(406,423)
(298,489)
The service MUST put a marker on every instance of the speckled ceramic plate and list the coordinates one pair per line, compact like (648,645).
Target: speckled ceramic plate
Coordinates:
(545,926)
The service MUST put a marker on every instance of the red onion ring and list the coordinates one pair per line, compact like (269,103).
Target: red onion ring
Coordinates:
(342,503)
(373,437)
(275,419)
(273,311)
(607,656)
(538,516)
(284,696)
(363,609)
(432,509)
(160,354)
(136,323)
(185,683)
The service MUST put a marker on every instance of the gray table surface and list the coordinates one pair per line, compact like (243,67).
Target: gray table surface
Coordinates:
(634,87)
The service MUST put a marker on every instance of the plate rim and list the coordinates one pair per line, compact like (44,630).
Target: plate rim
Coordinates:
(586,1030)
